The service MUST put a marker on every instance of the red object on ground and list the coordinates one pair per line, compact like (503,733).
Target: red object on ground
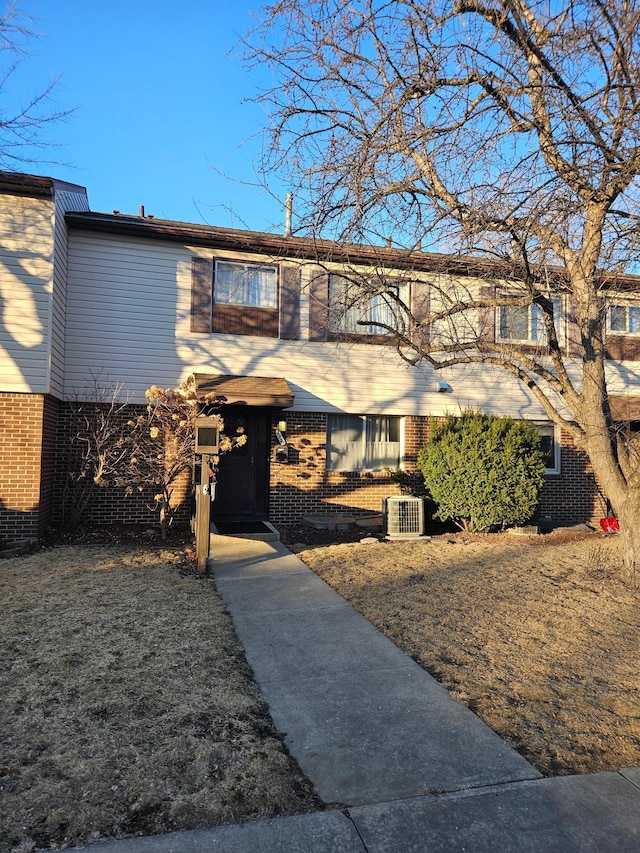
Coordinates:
(609,525)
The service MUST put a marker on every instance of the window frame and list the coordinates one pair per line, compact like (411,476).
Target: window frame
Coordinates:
(364,455)
(530,308)
(628,307)
(551,426)
(337,328)
(246,265)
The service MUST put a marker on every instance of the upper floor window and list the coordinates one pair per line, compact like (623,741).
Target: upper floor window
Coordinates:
(252,285)
(624,319)
(525,322)
(356,311)
(363,442)
(234,297)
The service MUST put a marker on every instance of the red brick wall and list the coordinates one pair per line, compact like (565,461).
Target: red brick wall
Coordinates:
(48,467)
(110,505)
(571,497)
(21,426)
(303,486)
(34,460)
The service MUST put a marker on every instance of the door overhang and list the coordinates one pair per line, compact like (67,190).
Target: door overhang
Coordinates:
(243,390)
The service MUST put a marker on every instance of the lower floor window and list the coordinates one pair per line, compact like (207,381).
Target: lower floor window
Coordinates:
(363,442)
(550,447)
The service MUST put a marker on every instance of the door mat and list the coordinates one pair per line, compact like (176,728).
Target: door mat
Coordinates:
(237,528)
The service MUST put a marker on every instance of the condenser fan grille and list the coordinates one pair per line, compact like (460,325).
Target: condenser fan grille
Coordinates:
(404,516)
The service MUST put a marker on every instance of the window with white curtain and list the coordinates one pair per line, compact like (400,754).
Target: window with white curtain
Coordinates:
(253,285)
(363,442)
(355,310)
(526,322)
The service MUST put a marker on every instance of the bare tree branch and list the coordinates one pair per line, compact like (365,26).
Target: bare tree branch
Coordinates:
(23,117)
(503,130)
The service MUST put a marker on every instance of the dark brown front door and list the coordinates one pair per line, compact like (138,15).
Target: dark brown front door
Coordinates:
(242,487)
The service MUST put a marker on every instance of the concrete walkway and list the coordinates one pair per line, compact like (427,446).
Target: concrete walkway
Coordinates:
(404,766)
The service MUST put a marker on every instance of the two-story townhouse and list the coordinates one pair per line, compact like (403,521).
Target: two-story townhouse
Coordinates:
(268,323)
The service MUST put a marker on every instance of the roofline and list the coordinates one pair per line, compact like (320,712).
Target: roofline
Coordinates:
(302,248)
(277,245)
(34,186)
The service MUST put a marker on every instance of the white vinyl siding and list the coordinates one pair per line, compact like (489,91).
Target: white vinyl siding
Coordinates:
(64,200)
(128,320)
(33,275)
(26,251)
(122,312)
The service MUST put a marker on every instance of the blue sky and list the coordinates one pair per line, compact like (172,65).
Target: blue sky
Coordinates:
(158,110)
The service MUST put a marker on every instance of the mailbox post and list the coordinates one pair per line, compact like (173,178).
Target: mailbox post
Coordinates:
(206,447)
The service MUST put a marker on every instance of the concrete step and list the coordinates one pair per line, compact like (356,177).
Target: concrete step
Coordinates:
(261,531)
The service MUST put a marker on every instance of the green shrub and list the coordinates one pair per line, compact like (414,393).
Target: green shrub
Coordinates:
(483,472)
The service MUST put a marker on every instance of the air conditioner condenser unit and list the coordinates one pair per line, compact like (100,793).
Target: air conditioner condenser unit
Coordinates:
(403,517)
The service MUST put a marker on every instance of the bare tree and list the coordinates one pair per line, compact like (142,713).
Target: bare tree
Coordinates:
(23,116)
(160,445)
(96,448)
(504,134)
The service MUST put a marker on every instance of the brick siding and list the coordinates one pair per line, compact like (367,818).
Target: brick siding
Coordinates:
(23,472)
(48,467)
(35,434)
(573,495)
(303,486)
(110,505)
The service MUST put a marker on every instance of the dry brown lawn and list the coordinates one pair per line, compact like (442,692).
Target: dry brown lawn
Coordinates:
(128,708)
(540,636)
(127,705)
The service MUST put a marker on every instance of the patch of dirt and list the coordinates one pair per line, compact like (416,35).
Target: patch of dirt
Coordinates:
(127,705)
(540,636)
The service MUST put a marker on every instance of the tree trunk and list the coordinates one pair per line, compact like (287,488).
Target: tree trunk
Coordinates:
(623,494)
(628,516)
(164,518)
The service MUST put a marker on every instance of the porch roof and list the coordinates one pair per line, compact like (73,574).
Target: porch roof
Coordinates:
(245,390)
